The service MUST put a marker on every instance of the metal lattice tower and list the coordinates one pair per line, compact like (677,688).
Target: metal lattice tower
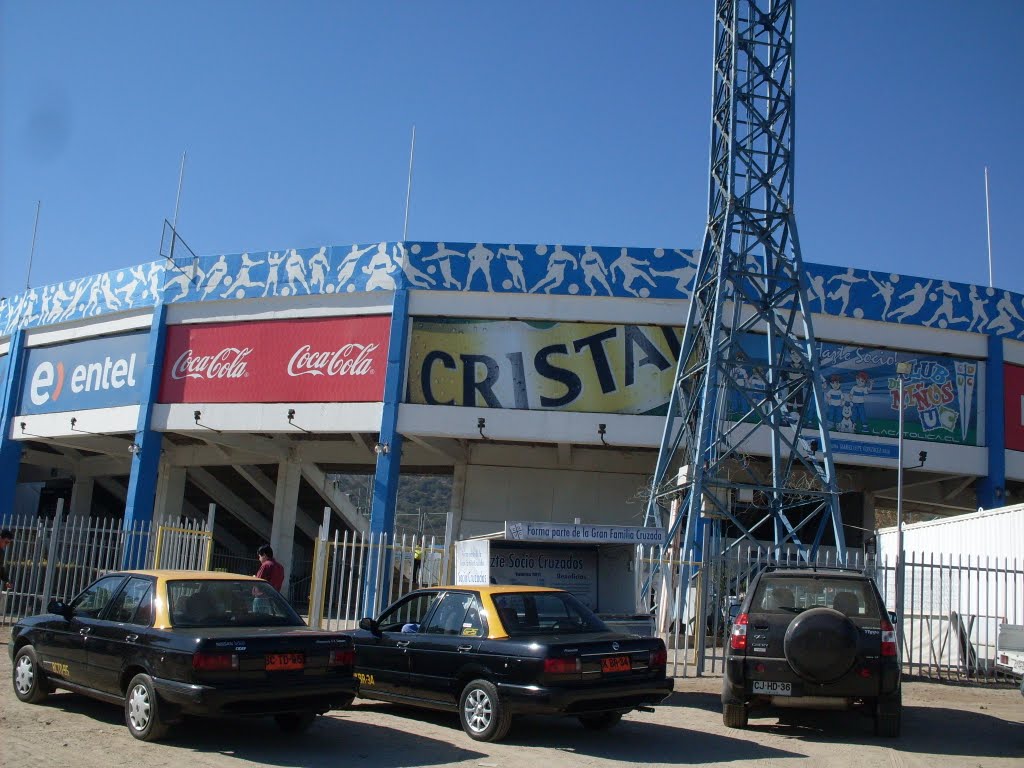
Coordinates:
(748,380)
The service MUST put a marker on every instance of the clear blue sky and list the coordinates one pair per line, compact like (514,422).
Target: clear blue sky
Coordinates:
(537,122)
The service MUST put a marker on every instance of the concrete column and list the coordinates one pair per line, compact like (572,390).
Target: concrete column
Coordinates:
(282,532)
(81,497)
(170,492)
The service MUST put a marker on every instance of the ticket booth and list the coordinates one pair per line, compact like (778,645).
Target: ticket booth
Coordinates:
(596,563)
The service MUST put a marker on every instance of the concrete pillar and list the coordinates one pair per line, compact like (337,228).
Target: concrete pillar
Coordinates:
(81,497)
(282,531)
(170,492)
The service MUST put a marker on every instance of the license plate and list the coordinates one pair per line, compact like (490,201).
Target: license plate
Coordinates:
(615,664)
(772,688)
(279,661)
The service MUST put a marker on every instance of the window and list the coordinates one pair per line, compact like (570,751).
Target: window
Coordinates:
(91,602)
(228,603)
(126,606)
(458,613)
(530,613)
(409,611)
(851,597)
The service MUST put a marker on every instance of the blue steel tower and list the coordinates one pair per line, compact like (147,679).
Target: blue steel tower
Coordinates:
(748,380)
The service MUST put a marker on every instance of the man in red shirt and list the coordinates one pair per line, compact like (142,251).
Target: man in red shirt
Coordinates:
(270,570)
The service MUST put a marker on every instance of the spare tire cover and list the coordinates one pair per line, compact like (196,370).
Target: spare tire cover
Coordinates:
(821,645)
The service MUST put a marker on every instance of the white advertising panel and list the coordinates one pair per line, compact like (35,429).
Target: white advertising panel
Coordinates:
(471,562)
(584,534)
(573,570)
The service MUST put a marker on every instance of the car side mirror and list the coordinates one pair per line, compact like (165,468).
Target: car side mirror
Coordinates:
(60,608)
(370,625)
(893,618)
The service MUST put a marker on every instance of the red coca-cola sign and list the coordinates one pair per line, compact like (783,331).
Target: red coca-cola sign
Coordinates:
(1013,397)
(330,360)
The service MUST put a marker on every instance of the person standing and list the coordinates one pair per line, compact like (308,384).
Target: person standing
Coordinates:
(270,570)
(6,537)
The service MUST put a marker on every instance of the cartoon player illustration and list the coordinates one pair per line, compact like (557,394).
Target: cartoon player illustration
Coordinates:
(443,257)
(859,393)
(215,275)
(416,278)
(273,270)
(295,270)
(842,291)
(834,399)
(479,261)
(557,262)
(318,266)
(244,280)
(514,264)
(594,270)
(917,295)
(1005,314)
(683,275)
(379,269)
(948,293)
(846,423)
(980,317)
(348,264)
(737,402)
(629,267)
(884,292)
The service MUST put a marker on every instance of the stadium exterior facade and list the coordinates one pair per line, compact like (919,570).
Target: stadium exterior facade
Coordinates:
(537,375)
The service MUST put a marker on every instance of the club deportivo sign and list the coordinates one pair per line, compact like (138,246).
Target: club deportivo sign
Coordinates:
(288,361)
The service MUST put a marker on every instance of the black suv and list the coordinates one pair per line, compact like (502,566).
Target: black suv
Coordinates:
(813,639)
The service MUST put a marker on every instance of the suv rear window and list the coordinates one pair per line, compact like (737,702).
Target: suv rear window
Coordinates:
(795,594)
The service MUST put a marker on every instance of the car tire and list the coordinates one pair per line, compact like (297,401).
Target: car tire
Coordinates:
(484,717)
(142,710)
(295,722)
(888,716)
(735,715)
(30,684)
(601,722)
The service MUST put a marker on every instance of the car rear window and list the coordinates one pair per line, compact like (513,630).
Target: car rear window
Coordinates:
(532,613)
(852,597)
(227,603)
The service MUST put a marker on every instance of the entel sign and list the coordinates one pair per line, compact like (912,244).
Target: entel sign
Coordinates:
(322,360)
(1014,399)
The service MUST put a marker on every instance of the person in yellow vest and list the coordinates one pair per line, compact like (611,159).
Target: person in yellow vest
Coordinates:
(417,558)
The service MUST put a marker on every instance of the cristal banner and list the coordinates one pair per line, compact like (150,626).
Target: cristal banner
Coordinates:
(629,369)
(339,359)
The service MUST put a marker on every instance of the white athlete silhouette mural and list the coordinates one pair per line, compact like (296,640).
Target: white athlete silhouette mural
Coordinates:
(479,261)
(416,278)
(557,263)
(318,267)
(918,295)
(348,266)
(295,271)
(948,293)
(683,275)
(885,291)
(243,280)
(274,261)
(842,291)
(1006,313)
(594,271)
(379,270)
(514,264)
(629,267)
(979,316)
(215,275)
(817,286)
(443,257)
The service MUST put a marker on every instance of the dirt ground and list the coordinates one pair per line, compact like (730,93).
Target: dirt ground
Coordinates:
(944,725)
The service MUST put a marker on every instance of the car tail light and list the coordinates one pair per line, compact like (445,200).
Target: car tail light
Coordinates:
(659,657)
(341,657)
(214,662)
(864,672)
(562,666)
(888,639)
(738,638)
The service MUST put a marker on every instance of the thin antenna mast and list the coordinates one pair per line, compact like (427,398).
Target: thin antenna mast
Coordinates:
(988,229)
(177,197)
(32,251)
(408,189)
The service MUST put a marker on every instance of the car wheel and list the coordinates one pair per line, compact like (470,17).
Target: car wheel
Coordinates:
(601,722)
(29,683)
(735,715)
(295,722)
(888,716)
(483,715)
(142,710)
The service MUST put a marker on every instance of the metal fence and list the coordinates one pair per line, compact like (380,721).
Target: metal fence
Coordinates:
(55,558)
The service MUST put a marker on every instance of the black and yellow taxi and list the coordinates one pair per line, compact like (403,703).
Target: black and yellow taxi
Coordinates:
(165,644)
(492,652)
